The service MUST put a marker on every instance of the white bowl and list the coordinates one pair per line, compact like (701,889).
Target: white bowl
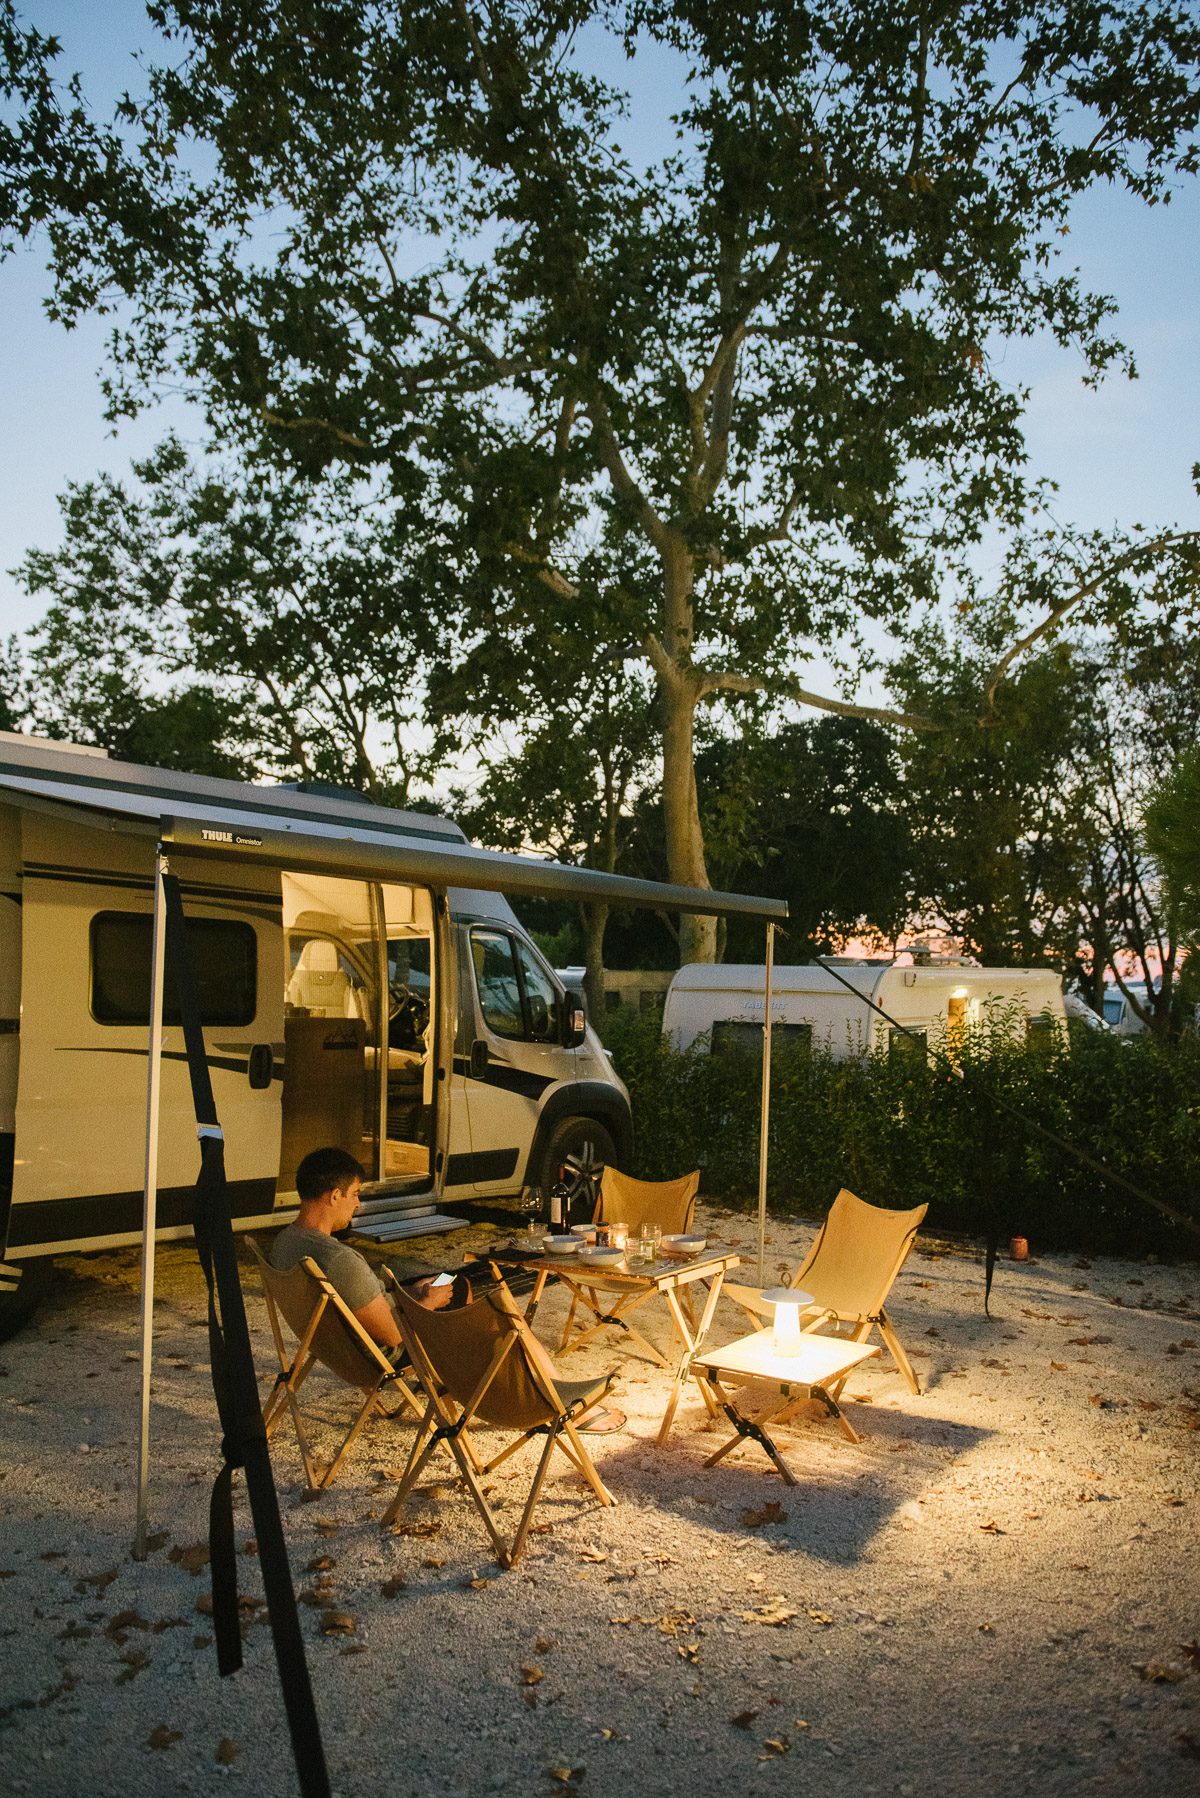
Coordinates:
(583,1229)
(605,1256)
(684,1245)
(560,1245)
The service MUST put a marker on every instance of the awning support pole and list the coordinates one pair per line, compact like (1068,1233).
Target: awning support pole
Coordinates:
(765,1115)
(150,1198)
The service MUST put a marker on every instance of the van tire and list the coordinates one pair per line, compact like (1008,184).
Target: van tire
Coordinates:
(16,1308)
(580,1141)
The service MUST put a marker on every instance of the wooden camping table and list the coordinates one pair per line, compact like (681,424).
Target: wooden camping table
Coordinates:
(820,1363)
(634,1283)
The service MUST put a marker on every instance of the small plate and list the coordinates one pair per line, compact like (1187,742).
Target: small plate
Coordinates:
(605,1257)
(560,1245)
(583,1230)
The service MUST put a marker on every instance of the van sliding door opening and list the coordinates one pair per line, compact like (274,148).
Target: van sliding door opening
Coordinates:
(359,1003)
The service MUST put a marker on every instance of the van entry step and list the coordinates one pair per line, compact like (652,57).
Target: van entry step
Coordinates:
(395,1229)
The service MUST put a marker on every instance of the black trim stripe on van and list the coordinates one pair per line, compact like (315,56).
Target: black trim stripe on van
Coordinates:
(226,1063)
(485,1164)
(120,1213)
(507,1079)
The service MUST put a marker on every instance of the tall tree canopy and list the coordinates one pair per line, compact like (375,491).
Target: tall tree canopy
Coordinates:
(722,405)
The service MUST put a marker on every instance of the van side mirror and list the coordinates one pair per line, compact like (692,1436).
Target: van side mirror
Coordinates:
(574,1020)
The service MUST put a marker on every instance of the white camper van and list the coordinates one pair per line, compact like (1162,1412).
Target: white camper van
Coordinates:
(725,1004)
(362,981)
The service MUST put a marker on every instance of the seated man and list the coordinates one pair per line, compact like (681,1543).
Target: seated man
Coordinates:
(329,1182)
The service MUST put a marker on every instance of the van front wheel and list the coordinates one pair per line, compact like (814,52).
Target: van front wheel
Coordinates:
(577,1152)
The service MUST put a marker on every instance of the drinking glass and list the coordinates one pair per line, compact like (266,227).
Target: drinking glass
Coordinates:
(651,1237)
(534,1206)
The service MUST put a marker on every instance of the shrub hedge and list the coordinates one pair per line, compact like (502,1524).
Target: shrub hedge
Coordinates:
(906,1130)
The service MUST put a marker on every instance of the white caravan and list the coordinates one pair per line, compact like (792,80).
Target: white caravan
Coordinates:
(362,981)
(725,1004)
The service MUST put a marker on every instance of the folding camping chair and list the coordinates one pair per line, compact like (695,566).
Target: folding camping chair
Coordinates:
(623,1200)
(327,1333)
(849,1271)
(481,1364)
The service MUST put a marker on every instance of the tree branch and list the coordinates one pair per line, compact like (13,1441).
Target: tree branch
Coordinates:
(785,687)
(624,486)
(1140,552)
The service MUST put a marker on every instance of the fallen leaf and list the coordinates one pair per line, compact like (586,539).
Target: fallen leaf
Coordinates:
(1191,1651)
(337,1623)
(162,1737)
(820,1616)
(227,1752)
(320,1564)
(1149,1404)
(250,1546)
(532,1676)
(543,1645)
(775,1746)
(317,1595)
(992,1529)
(391,1587)
(325,1526)
(744,1719)
(136,1661)
(476,1583)
(987,1629)
(774,1613)
(566,1776)
(421,1530)
(592,1554)
(771,1512)
(690,1652)
(93,1582)
(1059,1366)
(434,1562)
(193,1557)
(1162,1672)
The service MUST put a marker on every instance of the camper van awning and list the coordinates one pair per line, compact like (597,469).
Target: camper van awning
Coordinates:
(279,827)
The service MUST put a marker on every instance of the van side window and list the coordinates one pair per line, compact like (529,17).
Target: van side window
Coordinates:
(224,957)
(499,987)
(541,998)
(517,996)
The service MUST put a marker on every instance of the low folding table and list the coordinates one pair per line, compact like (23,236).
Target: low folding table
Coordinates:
(821,1362)
(627,1285)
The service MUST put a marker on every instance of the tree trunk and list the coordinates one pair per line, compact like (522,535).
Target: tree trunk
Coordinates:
(681,807)
(594,919)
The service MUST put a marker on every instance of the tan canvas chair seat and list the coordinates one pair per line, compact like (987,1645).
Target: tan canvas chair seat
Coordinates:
(480,1364)
(329,1335)
(849,1271)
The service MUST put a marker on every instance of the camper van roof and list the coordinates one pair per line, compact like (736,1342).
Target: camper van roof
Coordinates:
(282,826)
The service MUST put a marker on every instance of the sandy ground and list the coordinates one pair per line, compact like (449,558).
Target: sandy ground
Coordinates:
(995,1592)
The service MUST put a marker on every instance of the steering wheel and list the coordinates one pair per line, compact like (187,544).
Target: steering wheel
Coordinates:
(409,1010)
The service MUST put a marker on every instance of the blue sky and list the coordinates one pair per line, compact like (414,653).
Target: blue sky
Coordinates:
(1121,455)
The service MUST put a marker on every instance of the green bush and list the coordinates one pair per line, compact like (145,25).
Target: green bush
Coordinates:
(907,1131)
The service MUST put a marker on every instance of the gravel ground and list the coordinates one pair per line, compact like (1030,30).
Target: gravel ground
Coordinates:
(996,1591)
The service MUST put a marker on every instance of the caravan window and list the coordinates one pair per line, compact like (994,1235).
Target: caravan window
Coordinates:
(913,1043)
(224,959)
(731,1037)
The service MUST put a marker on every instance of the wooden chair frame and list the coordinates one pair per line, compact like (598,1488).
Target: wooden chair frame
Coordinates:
(378,1373)
(872,1315)
(445,1423)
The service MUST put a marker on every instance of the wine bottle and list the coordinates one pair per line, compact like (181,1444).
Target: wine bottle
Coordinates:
(558,1209)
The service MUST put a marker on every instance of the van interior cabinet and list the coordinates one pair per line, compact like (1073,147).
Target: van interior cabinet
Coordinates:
(322,1089)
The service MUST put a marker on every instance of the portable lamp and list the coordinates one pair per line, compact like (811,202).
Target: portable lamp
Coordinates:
(788,1301)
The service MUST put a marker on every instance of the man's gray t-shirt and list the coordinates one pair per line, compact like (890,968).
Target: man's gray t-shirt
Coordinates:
(348,1272)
